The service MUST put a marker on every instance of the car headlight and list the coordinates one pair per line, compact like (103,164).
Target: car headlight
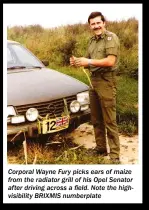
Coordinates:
(11,111)
(74,106)
(32,114)
(17,119)
(83,99)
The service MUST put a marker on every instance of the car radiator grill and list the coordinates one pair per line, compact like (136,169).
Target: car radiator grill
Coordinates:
(53,108)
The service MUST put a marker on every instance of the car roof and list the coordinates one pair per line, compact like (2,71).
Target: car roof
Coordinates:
(10,41)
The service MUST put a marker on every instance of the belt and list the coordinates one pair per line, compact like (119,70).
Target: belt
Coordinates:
(102,74)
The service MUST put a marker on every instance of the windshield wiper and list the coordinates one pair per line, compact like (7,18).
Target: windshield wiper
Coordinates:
(17,67)
(35,67)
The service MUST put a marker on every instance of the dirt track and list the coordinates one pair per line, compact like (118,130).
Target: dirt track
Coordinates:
(128,145)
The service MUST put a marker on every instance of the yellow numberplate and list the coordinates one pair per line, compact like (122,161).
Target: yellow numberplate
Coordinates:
(53,125)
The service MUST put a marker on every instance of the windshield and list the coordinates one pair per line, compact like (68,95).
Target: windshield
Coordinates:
(19,56)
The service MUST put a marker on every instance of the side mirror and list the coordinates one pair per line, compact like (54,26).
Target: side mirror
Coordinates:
(46,63)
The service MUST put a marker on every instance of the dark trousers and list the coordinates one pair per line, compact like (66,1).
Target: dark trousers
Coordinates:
(103,113)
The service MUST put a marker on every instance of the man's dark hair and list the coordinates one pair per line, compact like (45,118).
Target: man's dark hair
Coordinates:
(96,14)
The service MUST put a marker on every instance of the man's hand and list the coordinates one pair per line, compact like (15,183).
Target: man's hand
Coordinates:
(78,62)
(72,60)
(81,62)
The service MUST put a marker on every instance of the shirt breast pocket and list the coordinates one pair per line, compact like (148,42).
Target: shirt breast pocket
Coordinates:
(101,53)
(100,49)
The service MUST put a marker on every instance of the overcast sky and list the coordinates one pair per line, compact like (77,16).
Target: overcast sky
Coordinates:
(54,15)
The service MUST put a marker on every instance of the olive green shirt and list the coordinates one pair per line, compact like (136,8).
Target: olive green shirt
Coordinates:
(101,47)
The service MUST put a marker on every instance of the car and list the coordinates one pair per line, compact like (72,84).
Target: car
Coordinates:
(41,101)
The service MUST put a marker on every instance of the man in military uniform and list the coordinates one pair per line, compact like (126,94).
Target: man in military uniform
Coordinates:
(102,60)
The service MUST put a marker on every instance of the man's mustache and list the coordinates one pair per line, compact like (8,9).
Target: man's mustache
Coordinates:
(97,28)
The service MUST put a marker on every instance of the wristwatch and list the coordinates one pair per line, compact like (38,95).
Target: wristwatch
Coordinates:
(89,62)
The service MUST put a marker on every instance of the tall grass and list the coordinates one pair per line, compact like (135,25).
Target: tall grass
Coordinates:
(127,105)
(57,44)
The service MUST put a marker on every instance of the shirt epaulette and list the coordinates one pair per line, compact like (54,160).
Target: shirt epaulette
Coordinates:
(109,34)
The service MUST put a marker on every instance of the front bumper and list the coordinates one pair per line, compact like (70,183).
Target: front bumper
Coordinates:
(31,129)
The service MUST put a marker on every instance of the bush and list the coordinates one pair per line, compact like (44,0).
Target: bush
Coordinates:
(66,51)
